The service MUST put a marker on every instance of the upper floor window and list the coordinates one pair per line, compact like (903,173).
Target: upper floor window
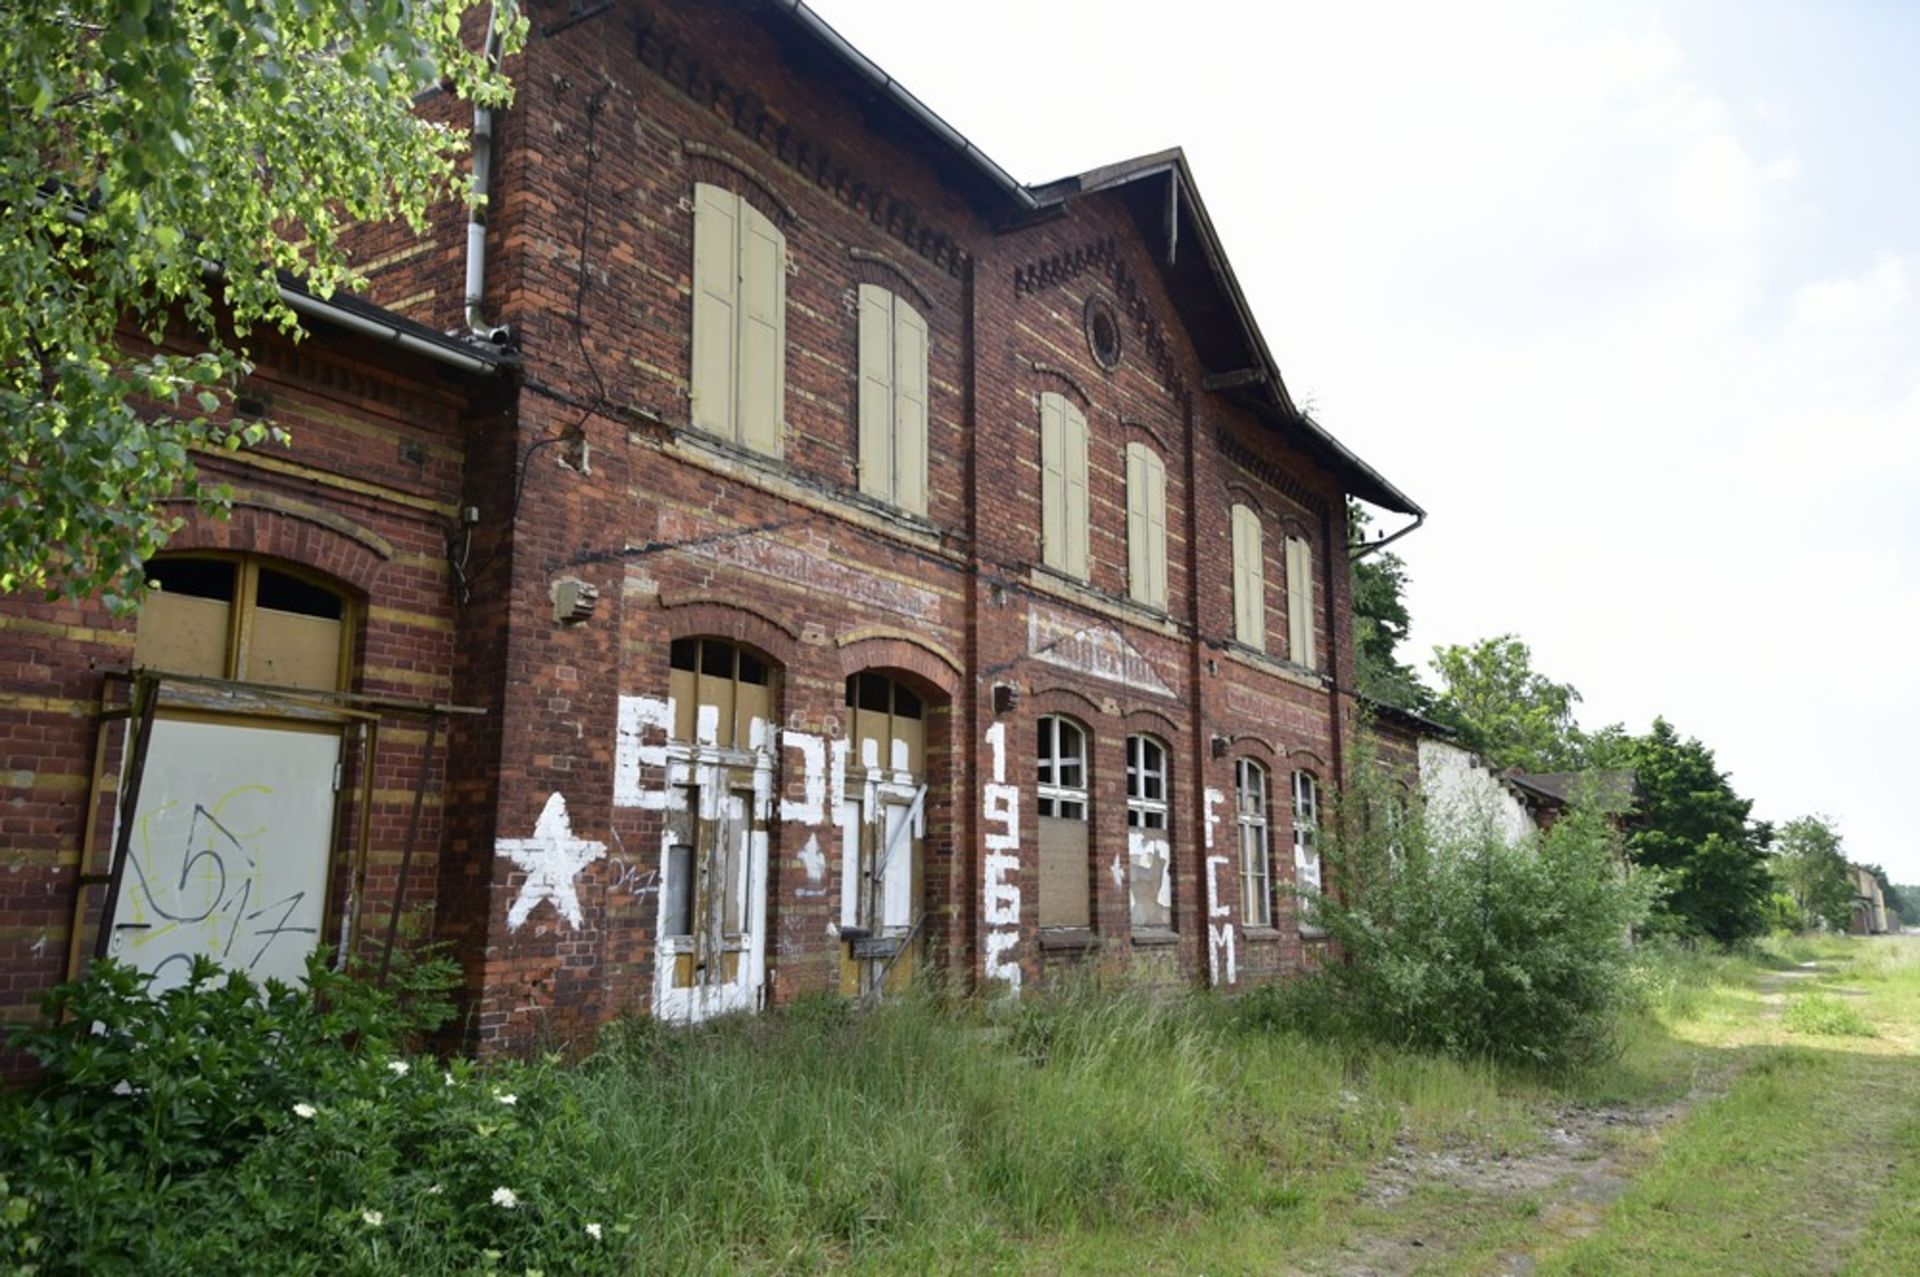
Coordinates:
(238,618)
(1146,527)
(1063,486)
(1148,848)
(893,400)
(1066,890)
(1250,800)
(1300,603)
(739,320)
(1306,832)
(1249,579)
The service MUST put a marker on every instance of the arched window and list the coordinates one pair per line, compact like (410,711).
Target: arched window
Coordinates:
(1306,835)
(738,381)
(1250,791)
(719,691)
(893,400)
(1149,850)
(239,617)
(1066,897)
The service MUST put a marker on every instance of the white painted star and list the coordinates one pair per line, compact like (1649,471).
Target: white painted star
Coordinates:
(552,858)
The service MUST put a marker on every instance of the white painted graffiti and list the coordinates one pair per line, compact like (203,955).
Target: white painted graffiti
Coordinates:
(552,860)
(1001,811)
(1220,959)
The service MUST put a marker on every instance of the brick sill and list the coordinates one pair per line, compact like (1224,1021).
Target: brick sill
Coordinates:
(1059,585)
(1256,659)
(1260,935)
(1154,937)
(1068,939)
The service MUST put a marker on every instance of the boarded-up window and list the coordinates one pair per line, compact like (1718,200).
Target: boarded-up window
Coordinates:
(739,320)
(235,617)
(1249,579)
(1306,832)
(1065,888)
(1063,486)
(893,400)
(705,898)
(1146,527)
(1250,793)
(1300,602)
(1149,850)
(719,691)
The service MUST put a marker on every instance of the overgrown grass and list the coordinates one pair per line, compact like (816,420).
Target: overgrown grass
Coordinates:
(1823,1015)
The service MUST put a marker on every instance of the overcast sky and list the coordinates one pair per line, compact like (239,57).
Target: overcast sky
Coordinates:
(1627,295)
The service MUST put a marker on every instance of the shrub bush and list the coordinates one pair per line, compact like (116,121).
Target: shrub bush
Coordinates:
(272,1129)
(1472,943)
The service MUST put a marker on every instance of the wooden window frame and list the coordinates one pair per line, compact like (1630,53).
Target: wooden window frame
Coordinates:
(243,606)
(1251,811)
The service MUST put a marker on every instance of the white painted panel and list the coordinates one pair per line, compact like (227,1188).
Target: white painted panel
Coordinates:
(229,851)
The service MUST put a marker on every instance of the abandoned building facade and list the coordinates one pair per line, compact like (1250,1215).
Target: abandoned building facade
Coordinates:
(865,567)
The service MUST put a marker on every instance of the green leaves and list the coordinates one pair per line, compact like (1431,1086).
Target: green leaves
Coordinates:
(244,132)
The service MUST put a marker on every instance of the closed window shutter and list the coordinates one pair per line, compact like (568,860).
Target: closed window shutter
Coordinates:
(763,335)
(1249,580)
(716,306)
(1053,481)
(1156,531)
(1300,602)
(1137,572)
(909,408)
(1076,493)
(876,392)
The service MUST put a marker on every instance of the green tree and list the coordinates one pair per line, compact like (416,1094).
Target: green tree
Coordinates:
(162,162)
(1694,829)
(1504,709)
(1809,862)
(1380,622)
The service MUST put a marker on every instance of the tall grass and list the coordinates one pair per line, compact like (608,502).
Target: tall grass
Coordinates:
(825,1136)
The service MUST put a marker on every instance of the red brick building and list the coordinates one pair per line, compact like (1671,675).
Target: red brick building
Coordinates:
(869,567)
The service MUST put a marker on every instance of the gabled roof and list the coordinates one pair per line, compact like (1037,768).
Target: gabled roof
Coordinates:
(1160,191)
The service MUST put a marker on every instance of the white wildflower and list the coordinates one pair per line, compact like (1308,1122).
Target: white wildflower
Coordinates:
(304,1110)
(434,1190)
(505,1198)
(506,1098)
(593,1231)
(399,1068)
(373,1217)
(448,1077)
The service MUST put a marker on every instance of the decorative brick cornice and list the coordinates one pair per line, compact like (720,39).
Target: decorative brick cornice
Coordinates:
(750,116)
(1268,473)
(1067,264)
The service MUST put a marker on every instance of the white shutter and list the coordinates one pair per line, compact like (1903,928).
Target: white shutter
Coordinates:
(1156,531)
(763,332)
(909,408)
(1078,557)
(1249,580)
(1137,588)
(716,297)
(876,392)
(1053,481)
(1300,602)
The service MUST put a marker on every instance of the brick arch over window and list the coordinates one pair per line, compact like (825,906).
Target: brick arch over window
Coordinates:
(902,652)
(1269,754)
(1306,760)
(355,562)
(717,167)
(1153,723)
(1074,703)
(711,618)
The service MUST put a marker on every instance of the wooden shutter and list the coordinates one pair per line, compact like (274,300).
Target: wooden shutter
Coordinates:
(1137,570)
(716,306)
(1146,526)
(876,392)
(1300,602)
(763,332)
(909,408)
(1076,491)
(1249,580)
(1053,481)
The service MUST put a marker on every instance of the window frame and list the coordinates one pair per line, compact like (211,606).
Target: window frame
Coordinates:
(1065,488)
(243,607)
(1306,837)
(1050,792)
(1300,644)
(1249,577)
(1142,809)
(1253,822)
(739,427)
(1146,553)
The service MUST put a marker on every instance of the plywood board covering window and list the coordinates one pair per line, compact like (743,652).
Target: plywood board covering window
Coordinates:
(1063,486)
(1249,579)
(893,400)
(236,617)
(1149,848)
(1146,527)
(739,321)
(1061,754)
